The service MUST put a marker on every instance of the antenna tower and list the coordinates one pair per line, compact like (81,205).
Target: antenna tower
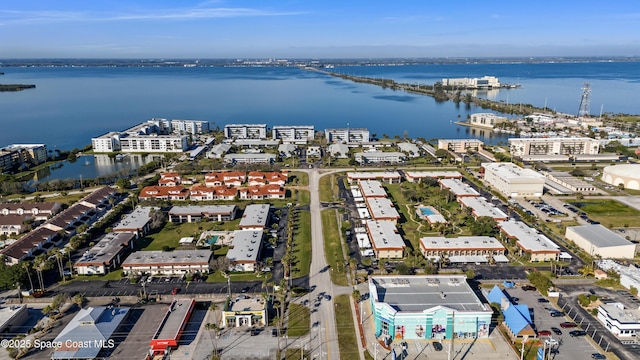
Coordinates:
(584,109)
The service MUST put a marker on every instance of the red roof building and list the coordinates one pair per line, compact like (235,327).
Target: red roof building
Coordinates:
(164,193)
(170,179)
(257,192)
(271,177)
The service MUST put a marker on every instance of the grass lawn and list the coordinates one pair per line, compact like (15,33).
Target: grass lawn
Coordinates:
(171,234)
(347,338)
(294,353)
(301,178)
(609,212)
(303,197)
(217,277)
(332,247)
(328,188)
(299,320)
(112,276)
(301,251)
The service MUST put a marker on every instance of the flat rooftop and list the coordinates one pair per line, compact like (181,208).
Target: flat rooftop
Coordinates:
(463,242)
(382,208)
(624,315)
(251,304)
(513,173)
(106,249)
(165,258)
(482,208)
(528,238)
(373,175)
(245,246)
(419,293)
(384,235)
(135,220)
(372,188)
(174,319)
(433,174)
(255,215)
(599,235)
(458,188)
(202,209)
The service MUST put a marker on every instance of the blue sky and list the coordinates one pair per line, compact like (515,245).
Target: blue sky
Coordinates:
(316,29)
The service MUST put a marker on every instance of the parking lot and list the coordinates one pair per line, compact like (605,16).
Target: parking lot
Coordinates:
(567,346)
(138,331)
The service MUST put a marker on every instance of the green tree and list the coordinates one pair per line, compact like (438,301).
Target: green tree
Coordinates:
(484,226)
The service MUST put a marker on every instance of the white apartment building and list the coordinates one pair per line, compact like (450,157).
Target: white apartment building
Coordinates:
(620,321)
(154,143)
(182,126)
(553,146)
(293,134)
(460,145)
(485,82)
(347,135)
(512,180)
(379,157)
(245,131)
(486,120)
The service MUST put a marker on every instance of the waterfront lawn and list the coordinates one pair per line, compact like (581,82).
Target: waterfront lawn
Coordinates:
(299,320)
(609,212)
(301,251)
(347,338)
(333,247)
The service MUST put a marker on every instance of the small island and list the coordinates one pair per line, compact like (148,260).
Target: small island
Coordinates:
(16,87)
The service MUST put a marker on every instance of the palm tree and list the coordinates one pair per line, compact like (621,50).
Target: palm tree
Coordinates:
(213,329)
(40,263)
(27,268)
(59,256)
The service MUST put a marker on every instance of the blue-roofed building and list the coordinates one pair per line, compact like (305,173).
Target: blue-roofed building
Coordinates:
(517,318)
(89,332)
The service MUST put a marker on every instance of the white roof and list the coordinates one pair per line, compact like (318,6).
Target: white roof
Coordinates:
(463,242)
(255,215)
(458,188)
(433,174)
(135,220)
(382,208)
(529,239)
(373,175)
(599,236)
(513,173)
(372,188)
(384,235)
(482,208)
(245,246)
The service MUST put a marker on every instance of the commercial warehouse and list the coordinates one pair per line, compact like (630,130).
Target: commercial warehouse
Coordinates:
(427,307)
(598,240)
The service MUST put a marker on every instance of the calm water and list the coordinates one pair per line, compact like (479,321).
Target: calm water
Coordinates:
(91,167)
(71,105)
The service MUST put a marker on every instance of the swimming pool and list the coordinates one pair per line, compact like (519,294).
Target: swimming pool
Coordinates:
(426,211)
(212,240)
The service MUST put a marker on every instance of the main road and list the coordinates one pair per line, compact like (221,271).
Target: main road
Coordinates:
(324,335)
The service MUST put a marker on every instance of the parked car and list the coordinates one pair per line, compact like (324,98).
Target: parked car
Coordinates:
(567,325)
(544,333)
(556,331)
(437,346)
(175,290)
(576,333)
(598,356)
(529,288)
(593,292)
(543,300)
(556,313)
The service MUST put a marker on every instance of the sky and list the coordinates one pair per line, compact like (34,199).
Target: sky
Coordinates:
(317,29)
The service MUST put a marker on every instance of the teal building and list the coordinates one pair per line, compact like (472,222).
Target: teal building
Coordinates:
(430,307)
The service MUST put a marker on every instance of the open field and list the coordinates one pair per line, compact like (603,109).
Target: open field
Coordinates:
(610,213)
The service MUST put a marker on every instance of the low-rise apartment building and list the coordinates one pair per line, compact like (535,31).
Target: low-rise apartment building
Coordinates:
(245,131)
(386,242)
(530,241)
(106,255)
(219,213)
(177,262)
(244,250)
(347,135)
(520,147)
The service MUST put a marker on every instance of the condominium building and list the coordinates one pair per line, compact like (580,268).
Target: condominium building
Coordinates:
(106,255)
(387,243)
(255,217)
(347,135)
(30,153)
(512,180)
(486,120)
(245,131)
(261,158)
(389,177)
(460,145)
(244,250)
(530,241)
(438,247)
(183,126)
(158,262)
(295,134)
(379,157)
(485,82)
(155,135)
(553,146)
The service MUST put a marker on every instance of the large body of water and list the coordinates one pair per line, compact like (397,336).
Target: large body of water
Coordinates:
(71,105)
